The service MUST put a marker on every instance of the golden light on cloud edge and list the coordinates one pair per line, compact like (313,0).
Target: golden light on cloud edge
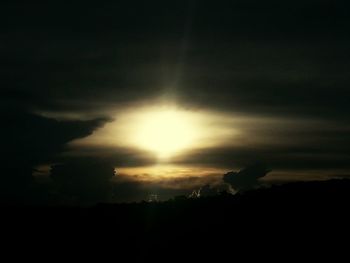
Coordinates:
(163,131)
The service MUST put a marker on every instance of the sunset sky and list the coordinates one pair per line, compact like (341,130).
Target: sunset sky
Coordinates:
(173,94)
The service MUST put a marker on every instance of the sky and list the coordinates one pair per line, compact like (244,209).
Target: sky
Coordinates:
(119,101)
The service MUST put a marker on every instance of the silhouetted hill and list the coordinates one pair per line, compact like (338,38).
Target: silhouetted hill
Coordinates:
(306,211)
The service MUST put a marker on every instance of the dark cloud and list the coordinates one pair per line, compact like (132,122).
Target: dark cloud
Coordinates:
(270,58)
(310,146)
(36,139)
(30,140)
(247,177)
(83,181)
(279,157)
(250,57)
(118,156)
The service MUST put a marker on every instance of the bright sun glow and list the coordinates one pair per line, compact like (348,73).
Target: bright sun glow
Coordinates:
(165,132)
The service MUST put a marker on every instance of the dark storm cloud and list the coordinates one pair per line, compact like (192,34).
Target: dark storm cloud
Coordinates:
(247,56)
(83,180)
(29,140)
(36,139)
(118,156)
(247,177)
(281,77)
(290,158)
(301,146)
(256,58)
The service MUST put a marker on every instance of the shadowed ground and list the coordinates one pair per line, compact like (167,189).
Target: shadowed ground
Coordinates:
(310,213)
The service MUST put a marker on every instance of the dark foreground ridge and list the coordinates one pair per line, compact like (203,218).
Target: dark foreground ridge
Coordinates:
(315,211)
